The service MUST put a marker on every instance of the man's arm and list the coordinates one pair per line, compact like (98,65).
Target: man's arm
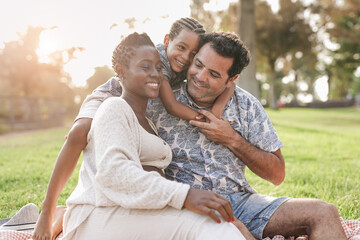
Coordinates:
(267,165)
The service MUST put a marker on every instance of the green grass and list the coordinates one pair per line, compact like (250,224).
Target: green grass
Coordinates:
(321,151)
(26,164)
(322,156)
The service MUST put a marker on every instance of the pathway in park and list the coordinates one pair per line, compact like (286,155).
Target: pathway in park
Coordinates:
(27,132)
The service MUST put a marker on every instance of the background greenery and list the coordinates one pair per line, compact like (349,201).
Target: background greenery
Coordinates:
(294,41)
(321,151)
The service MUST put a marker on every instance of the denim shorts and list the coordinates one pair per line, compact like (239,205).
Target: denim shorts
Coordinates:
(254,210)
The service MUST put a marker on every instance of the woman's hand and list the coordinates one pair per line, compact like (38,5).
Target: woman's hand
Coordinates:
(43,230)
(206,202)
(48,227)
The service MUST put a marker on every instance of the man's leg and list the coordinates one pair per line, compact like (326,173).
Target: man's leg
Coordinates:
(312,217)
(254,210)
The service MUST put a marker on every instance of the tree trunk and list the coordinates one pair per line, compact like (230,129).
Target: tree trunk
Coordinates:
(272,94)
(246,31)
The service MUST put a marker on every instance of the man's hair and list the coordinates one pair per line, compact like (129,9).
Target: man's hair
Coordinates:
(187,23)
(126,48)
(228,45)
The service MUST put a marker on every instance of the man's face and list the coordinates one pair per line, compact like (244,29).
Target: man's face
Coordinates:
(207,76)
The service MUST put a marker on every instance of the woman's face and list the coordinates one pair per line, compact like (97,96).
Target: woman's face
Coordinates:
(143,75)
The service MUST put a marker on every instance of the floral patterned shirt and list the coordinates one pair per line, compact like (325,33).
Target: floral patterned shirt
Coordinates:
(204,164)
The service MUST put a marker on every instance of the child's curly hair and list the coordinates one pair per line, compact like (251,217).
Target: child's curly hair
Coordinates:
(187,23)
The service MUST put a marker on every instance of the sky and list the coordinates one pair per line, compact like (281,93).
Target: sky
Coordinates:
(95,25)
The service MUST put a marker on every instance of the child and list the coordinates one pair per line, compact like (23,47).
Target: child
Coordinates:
(176,54)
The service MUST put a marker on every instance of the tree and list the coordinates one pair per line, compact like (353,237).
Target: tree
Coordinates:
(19,62)
(282,34)
(342,22)
(100,76)
(246,31)
(206,18)
(36,91)
(26,76)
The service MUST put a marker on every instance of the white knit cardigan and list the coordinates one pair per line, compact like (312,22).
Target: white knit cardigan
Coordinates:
(111,173)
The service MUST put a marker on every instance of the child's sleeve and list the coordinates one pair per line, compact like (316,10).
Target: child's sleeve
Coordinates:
(165,64)
(111,88)
(166,71)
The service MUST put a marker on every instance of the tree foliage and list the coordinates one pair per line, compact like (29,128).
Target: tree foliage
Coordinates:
(24,75)
(37,93)
(342,22)
(207,18)
(100,76)
(283,36)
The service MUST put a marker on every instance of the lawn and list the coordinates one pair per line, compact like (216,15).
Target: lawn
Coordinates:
(321,151)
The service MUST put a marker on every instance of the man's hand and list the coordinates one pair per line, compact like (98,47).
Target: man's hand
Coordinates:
(206,202)
(268,165)
(216,130)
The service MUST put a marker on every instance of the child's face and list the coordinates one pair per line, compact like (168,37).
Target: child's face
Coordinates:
(182,49)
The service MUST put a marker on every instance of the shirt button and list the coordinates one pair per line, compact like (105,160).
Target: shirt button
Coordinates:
(163,157)
(164,142)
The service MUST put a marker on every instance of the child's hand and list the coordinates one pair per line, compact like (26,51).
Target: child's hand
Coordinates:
(216,113)
(200,118)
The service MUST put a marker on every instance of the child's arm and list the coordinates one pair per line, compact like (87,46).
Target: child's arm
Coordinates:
(111,88)
(173,106)
(222,100)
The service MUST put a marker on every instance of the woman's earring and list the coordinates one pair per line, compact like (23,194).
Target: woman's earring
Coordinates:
(120,76)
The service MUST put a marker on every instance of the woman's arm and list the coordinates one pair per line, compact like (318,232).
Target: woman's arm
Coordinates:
(69,155)
(64,167)
(174,107)
(222,100)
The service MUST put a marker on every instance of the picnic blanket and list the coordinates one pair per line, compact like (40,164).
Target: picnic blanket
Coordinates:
(351,229)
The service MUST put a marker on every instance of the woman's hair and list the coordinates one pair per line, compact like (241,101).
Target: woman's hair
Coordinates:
(126,48)
(187,23)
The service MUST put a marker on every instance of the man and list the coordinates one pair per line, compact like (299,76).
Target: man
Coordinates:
(212,155)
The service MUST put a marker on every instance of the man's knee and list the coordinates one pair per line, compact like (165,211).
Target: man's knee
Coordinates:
(327,209)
